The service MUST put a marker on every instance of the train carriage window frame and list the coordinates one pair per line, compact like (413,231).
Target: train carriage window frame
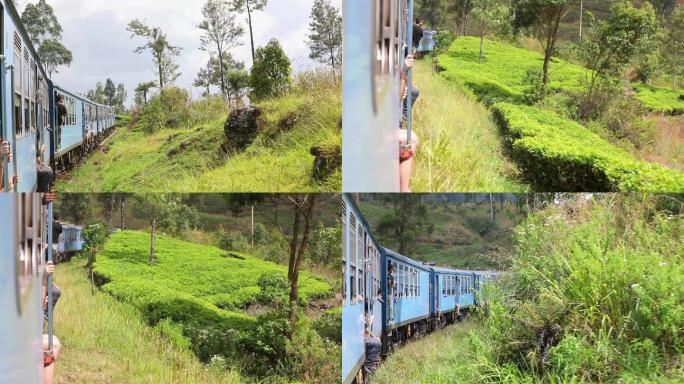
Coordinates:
(384,56)
(345,297)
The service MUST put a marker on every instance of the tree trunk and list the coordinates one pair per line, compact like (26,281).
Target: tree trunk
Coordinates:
(310,203)
(482,34)
(491,206)
(161,73)
(153,225)
(251,32)
(122,207)
(222,73)
(581,20)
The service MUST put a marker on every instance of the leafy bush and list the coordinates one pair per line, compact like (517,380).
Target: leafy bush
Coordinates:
(231,241)
(270,74)
(329,325)
(173,332)
(261,235)
(443,40)
(169,109)
(559,154)
(273,287)
(610,275)
(325,245)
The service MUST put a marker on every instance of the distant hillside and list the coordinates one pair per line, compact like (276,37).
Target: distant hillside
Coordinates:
(464,235)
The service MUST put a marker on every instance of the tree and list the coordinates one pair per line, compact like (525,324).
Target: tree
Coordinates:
(166,212)
(142,90)
(433,11)
(110,92)
(53,55)
(616,41)
(489,13)
(408,220)
(543,18)
(220,34)
(270,75)
(162,51)
(663,8)
(120,99)
(249,6)
(76,206)
(463,9)
(325,40)
(204,77)
(237,80)
(45,32)
(673,46)
(98,94)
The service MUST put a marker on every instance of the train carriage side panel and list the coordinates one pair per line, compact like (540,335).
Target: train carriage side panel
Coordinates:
(72,130)
(22,241)
(413,290)
(371,98)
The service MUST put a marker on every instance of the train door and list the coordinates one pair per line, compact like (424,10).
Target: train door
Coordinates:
(4,132)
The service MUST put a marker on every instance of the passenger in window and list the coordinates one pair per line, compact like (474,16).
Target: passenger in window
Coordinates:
(62,114)
(6,155)
(392,290)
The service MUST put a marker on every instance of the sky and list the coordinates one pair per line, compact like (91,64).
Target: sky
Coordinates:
(95,32)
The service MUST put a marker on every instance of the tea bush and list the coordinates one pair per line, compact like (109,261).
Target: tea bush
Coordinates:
(662,100)
(559,154)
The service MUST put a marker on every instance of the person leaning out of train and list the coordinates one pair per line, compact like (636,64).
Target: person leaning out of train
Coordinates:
(45,173)
(407,152)
(49,356)
(373,352)
(6,155)
(62,113)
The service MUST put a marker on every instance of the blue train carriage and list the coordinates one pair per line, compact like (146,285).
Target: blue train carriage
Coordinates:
(70,241)
(25,107)
(23,242)
(362,305)
(374,35)
(408,300)
(69,136)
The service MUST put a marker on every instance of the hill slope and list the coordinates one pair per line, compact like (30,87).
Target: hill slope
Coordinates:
(106,341)
(191,159)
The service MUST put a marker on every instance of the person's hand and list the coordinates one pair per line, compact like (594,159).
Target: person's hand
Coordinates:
(404,93)
(14,181)
(409,61)
(50,268)
(49,197)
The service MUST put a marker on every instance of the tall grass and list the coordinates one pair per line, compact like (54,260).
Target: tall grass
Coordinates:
(106,341)
(460,147)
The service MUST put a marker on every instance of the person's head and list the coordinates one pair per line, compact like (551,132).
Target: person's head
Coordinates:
(420,22)
(56,217)
(60,98)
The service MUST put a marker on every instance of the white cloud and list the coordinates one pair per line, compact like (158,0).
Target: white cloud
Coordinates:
(95,31)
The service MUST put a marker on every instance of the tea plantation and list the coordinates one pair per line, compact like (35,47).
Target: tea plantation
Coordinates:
(553,151)
(190,283)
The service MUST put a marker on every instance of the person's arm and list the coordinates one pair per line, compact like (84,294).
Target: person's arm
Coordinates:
(49,270)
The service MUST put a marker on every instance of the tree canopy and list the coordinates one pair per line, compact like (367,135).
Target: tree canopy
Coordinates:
(325,39)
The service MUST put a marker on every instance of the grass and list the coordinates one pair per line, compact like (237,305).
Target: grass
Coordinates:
(558,153)
(460,147)
(191,159)
(106,341)
(442,357)
(661,100)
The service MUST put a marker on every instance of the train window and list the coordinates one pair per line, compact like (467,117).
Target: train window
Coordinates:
(417,284)
(344,251)
(361,263)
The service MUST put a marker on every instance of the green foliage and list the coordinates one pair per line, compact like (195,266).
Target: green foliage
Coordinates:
(406,222)
(325,245)
(261,235)
(194,292)
(536,91)
(661,100)
(559,154)
(501,76)
(443,40)
(673,46)
(161,49)
(231,241)
(45,32)
(169,109)
(170,213)
(270,74)
(329,325)
(609,273)
(94,237)
(76,206)
(325,40)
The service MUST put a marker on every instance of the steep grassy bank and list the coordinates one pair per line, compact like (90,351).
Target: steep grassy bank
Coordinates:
(460,147)
(152,156)
(106,341)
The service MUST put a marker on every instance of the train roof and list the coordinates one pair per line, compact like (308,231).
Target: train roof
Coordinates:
(14,14)
(405,259)
(81,97)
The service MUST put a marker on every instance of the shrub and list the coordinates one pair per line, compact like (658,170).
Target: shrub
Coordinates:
(169,109)
(270,74)
(325,245)
(559,154)
(662,100)
(261,235)
(536,90)
(273,287)
(173,332)
(231,241)
(329,325)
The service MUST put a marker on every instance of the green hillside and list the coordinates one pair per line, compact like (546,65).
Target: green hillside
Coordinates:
(463,236)
(185,153)
(105,341)
(217,303)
